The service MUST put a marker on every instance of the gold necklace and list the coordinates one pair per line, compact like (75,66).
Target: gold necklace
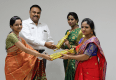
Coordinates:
(84,39)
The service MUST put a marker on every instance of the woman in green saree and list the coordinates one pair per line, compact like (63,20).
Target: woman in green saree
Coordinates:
(73,38)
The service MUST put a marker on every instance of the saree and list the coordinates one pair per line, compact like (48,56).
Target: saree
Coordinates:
(95,67)
(69,64)
(22,66)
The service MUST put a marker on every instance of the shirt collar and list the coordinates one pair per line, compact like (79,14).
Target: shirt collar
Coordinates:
(31,22)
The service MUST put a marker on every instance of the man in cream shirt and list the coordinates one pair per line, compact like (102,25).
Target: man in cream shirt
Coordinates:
(35,33)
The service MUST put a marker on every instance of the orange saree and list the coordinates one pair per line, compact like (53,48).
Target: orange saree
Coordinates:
(22,66)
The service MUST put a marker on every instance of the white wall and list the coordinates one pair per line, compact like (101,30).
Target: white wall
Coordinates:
(54,13)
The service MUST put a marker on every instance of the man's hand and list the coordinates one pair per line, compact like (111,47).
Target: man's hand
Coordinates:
(50,45)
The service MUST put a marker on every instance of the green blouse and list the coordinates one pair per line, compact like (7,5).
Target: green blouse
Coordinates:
(74,37)
(11,40)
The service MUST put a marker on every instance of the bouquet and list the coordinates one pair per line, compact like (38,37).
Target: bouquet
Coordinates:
(60,43)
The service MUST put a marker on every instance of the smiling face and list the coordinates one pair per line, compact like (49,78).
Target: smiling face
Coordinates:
(71,21)
(35,14)
(86,29)
(17,26)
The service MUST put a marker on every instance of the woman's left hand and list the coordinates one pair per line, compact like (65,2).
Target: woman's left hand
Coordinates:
(64,56)
(47,57)
(66,42)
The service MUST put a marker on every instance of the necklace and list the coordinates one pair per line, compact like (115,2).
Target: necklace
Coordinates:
(85,39)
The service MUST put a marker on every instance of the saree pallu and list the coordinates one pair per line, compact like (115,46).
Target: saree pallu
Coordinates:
(22,66)
(93,68)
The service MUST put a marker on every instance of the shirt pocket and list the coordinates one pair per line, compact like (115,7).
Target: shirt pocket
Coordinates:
(33,31)
(45,35)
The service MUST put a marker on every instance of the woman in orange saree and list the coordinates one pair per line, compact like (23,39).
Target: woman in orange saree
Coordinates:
(91,62)
(21,62)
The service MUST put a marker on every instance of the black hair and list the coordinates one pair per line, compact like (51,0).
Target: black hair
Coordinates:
(35,6)
(74,15)
(13,19)
(90,23)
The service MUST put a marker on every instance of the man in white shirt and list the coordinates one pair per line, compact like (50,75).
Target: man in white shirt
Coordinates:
(35,33)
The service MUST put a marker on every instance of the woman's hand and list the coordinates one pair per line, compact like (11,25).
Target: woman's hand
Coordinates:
(70,53)
(64,56)
(46,56)
(66,42)
(74,47)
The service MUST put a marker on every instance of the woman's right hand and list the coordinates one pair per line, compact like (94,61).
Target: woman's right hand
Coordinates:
(74,47)
(46,56)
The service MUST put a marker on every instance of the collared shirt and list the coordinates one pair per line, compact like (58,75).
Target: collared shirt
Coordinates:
(35,36)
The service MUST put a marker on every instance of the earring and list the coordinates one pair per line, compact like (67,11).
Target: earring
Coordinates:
(76,23)
(91,32)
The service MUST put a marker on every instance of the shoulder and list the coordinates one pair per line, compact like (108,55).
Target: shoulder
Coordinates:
(11,35)
(25,24)
(43,24)
(68,30)
(94,40)
(25,21)
(91,44)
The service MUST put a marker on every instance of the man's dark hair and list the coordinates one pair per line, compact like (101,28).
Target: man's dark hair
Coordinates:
(35,6)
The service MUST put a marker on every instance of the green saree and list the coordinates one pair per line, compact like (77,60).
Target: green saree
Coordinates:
(69,64)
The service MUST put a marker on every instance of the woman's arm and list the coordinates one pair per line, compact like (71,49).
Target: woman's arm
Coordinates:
(32,52)
(67,43)
(88,52)
(26,50)
(81,57)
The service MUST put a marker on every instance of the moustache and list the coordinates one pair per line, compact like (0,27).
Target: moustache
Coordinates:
(35,16)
